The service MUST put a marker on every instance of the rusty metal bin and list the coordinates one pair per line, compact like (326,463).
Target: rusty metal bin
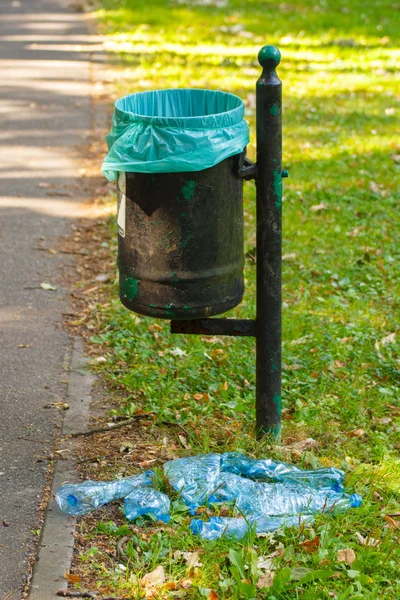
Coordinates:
(181,241)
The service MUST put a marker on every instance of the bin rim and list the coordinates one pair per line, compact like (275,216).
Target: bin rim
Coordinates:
(215,120)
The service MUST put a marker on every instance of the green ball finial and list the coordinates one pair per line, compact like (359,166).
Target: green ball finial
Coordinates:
(269,58)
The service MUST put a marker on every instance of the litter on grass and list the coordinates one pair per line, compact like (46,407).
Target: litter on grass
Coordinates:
(264,494)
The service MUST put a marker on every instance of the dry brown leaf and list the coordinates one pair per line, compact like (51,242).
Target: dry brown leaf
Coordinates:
(301,445)
(198,396)
(311,545)
(184,441)
(155,578)
(347,556)
(391,521)
(191,558)
(72,578)
(356,433)
(170,585)
(226,385)
(212,595)
(266,580)
(186,583)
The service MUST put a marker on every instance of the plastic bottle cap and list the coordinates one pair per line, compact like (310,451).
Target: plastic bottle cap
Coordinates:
(72,500)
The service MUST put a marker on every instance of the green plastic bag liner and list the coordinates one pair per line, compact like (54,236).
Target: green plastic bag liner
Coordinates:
(169,131)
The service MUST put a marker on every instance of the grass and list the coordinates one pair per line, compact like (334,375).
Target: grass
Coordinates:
(341,293)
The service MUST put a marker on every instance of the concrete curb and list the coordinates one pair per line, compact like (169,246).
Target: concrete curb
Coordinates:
(56,548)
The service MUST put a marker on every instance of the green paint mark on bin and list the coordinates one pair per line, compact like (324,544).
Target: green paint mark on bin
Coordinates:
(188,189)
(129,287)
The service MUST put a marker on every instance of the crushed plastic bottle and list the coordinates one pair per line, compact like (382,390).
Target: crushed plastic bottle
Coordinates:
(82,498)
(212,478)
(266,494)
(195,478)
(237,527)
(282,499)
(147,501)
(234,462)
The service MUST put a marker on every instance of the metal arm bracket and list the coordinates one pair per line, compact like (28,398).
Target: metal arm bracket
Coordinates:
(247,168)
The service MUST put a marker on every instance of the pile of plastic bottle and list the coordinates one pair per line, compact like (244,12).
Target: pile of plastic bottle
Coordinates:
(265,493)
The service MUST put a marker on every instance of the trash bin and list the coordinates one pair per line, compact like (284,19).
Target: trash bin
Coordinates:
(175,155)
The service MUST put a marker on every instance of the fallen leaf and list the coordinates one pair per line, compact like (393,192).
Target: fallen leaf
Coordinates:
(264,564)
(155,578)
(170,585)
(384,420)
(178,352)
(47,286)
(392,523)
(310,545)
(347,556)
(191,558)
(318,207)
(226,385)
(266,580)
(356,433)
(374,187)
(184,441)
(43,184)
(98,360)
(25,345)
(126,446)
(198,396)
(212,595)
(72,578)
(289,256)
(301,445)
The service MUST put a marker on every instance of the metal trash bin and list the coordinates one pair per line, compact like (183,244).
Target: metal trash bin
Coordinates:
(180,201)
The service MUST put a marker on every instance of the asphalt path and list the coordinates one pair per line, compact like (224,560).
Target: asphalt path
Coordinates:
(44,126)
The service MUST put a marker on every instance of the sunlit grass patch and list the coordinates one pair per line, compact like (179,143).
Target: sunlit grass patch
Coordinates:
(341,290)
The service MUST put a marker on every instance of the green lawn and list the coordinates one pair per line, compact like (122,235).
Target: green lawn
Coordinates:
(341,292)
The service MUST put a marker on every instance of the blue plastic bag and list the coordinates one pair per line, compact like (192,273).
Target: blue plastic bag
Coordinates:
(170,131)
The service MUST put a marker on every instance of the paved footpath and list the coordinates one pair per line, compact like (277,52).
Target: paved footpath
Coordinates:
(44,121)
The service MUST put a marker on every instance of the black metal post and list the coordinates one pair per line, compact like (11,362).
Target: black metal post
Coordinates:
(269,244)
(267,327)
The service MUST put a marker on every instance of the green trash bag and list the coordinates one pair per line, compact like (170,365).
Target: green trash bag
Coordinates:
(168,131)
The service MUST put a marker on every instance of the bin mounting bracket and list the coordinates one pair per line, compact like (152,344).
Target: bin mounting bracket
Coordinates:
(235,327)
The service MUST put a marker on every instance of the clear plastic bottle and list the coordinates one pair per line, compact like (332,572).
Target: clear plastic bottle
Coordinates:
(82,498)
(194,477)
(217,527)
(147,501)
(237,527)
(234,462)
(257,499)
